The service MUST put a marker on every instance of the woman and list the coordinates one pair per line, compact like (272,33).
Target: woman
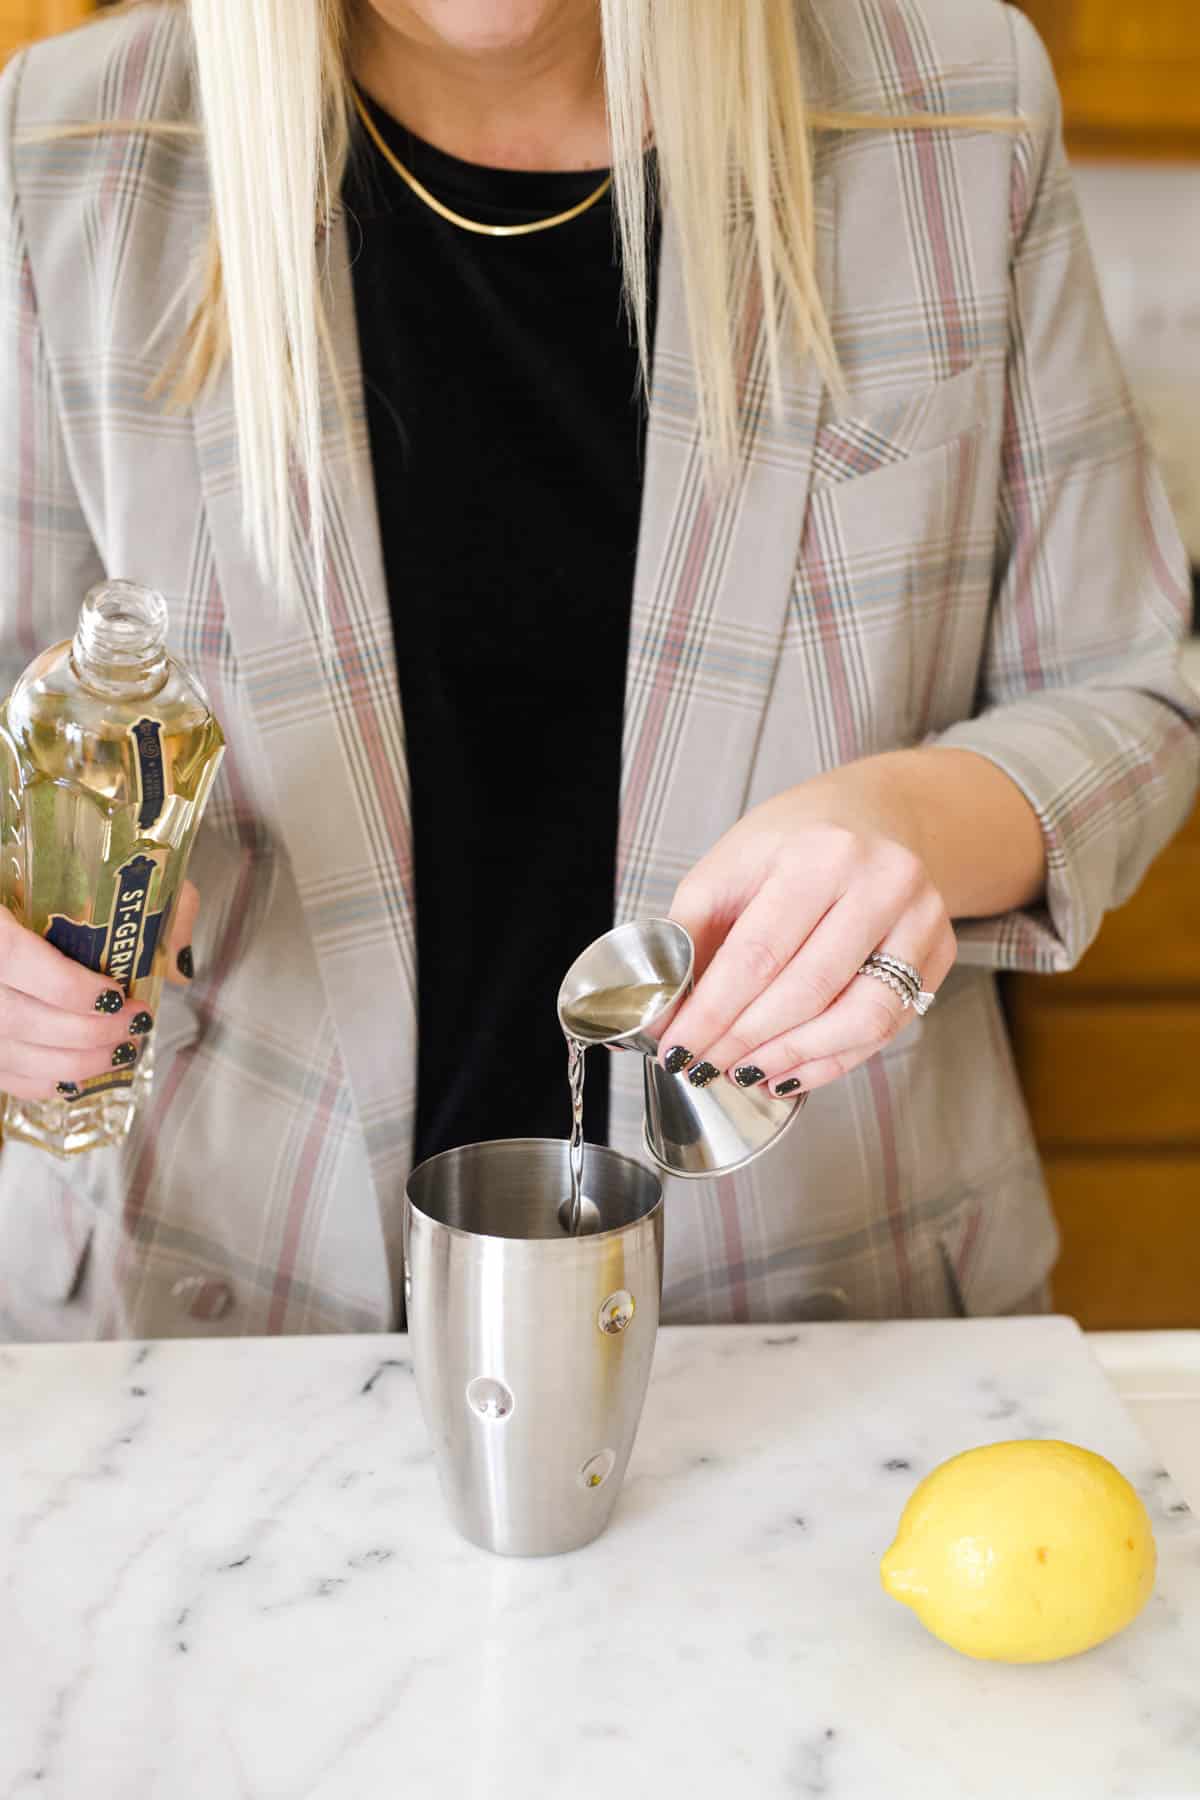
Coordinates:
(899,649)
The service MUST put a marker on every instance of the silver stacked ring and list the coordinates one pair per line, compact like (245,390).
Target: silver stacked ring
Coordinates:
(902,978)
(898,967)
(900,985)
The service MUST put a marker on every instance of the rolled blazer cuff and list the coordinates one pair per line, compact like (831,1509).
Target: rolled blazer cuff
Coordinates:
(1111,774)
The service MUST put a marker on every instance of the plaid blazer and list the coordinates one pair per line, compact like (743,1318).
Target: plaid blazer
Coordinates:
(972,549)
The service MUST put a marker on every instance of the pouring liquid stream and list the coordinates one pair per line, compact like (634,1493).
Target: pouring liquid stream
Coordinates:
(595,1019)
(576,1070)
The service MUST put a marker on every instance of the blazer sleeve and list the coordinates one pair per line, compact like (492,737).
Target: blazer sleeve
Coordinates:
(1081,700)
(48,558)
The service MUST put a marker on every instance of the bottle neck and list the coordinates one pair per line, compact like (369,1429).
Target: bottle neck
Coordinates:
(120,645)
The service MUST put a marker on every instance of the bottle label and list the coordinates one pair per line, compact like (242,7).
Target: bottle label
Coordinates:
(147,744)
(122,948)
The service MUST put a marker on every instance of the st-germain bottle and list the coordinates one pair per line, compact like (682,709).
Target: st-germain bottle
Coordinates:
(108,750)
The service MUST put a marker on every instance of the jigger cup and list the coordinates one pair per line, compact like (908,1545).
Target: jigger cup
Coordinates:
(531,1348)
(691,1132)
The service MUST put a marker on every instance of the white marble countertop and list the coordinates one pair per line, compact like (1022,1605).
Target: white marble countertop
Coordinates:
(226,1572)
(1157,1375)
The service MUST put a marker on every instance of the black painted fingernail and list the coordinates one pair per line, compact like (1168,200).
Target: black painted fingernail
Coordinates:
(110,1001)
(140,1024)
(68,1090)
(784,1088)
(749,1075)
(123,1055)
(184,963)
(677,1060)
(702,1074)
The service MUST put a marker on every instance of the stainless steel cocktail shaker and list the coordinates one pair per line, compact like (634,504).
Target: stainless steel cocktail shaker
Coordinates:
(531,1348)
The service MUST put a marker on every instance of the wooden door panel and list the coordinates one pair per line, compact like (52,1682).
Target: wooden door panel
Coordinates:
(1129,72)
(1161,30)
(1120,1073)
(23,20)
(1131,1240)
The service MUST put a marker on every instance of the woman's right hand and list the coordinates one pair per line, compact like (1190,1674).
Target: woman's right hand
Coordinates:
(60,1023)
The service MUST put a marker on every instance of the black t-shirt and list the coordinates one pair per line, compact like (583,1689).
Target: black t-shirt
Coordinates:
(506,434)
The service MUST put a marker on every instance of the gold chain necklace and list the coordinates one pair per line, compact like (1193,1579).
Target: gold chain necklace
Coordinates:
(444,212)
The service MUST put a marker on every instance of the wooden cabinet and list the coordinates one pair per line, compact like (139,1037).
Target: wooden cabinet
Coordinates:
(1129,72)
(1110,1061)
(23,20)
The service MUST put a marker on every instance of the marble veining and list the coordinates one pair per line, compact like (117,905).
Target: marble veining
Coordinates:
(225,1571)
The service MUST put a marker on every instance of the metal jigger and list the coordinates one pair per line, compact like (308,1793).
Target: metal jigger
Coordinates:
(689,1131)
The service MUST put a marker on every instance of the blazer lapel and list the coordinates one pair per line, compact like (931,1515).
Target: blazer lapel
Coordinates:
(714,579)
(326,706)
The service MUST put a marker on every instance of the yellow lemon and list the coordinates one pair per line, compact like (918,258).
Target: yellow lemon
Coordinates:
(1023,1552)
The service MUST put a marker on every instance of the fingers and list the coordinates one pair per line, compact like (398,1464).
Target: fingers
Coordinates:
(33,1072)
(820,1042)
(821,1073)
(866,1017)
(757,949)
(822,968)
(24,1020)
(179,954)
(705,914)
(781,933)
(59,1022)
(32,966)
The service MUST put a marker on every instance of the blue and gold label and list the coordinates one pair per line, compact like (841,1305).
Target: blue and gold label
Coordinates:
(152,780)
(122,948)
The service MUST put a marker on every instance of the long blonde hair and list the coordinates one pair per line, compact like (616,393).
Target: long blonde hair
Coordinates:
(723,82)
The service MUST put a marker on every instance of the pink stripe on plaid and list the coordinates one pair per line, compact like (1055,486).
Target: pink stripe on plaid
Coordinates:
(934,214)
(1169,586)
(881,1095)
(1122,784)
(383,771)
(966,1249)
(1018,197)
(823,598)
(302,1186)
(693,569)
(952,566)
(212,631)
(114,186)
(1026,549)
(357,681)
(671,653)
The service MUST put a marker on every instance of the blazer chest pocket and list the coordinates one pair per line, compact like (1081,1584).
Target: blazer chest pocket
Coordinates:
(854,446)
(894,571)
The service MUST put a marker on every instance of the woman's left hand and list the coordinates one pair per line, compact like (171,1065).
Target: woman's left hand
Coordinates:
(784,911)
(182,931)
